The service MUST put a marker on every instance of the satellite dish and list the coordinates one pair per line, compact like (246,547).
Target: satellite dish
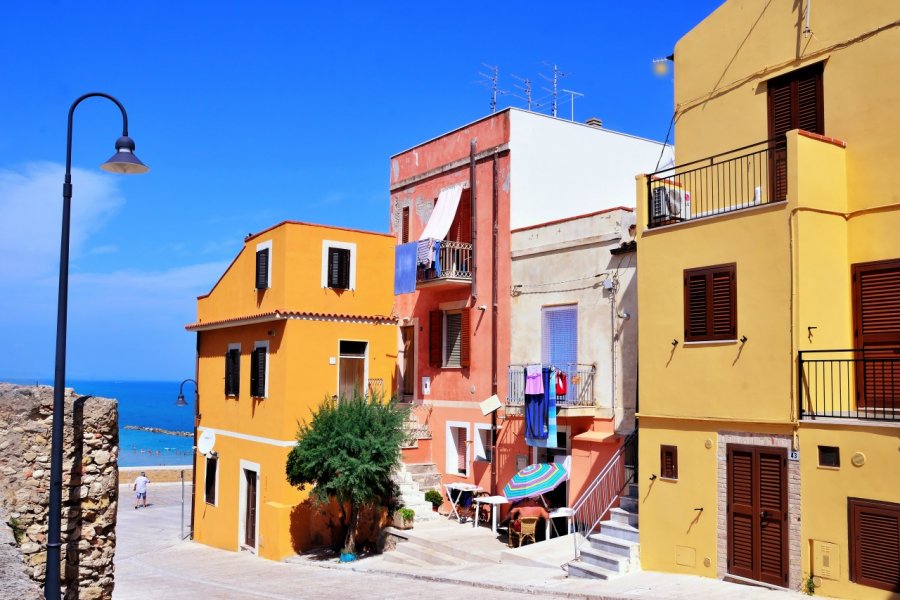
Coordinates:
(205,442)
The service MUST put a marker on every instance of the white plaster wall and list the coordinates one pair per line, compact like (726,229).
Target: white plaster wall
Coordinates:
(558,264)
(562,168)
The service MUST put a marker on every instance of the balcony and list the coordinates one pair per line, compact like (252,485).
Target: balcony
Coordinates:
(849,384)
(739,179)
(452,266)
(579,392)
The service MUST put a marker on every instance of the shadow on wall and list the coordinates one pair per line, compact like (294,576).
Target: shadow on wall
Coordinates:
(317,526)
(72,508)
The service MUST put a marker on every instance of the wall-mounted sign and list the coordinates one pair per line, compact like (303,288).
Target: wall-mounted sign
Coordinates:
(426,386)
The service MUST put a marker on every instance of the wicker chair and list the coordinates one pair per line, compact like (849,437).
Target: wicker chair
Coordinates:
(527,528)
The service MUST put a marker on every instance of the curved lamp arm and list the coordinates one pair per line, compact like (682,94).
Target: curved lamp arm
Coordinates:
(181,401)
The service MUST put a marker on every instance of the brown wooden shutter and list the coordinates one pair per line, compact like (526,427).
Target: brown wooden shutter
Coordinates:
(233,372)
(773,510)
(741,530)
(258,373)
(262,269)
(435,338)
(695,306)
(724,315)
(668,458)
(710,303)
(404,226)
(876,329)
(874,543)
(461,449)
(465,345)
(339,268)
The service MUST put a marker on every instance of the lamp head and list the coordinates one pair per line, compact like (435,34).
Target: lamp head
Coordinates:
(124,161)
(181,401)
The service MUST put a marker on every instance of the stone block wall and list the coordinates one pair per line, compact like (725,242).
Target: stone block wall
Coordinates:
(90,484)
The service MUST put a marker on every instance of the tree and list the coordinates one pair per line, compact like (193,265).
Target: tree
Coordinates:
(347,452)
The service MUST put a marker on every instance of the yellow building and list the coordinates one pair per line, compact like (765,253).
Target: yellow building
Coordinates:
(769,295)
(303,313)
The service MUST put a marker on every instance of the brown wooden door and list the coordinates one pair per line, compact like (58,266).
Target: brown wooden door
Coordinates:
(250,513)
(758,513)
(876,332)
(407,334)
(874,543)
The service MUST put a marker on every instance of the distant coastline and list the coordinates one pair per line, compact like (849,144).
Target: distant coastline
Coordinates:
(159,430)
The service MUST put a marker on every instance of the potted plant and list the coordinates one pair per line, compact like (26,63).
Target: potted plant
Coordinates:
(347,554)
(403,518)
(435,498)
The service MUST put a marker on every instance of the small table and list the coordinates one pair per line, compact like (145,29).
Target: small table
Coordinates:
(458,488)
(494,501)
(560,512)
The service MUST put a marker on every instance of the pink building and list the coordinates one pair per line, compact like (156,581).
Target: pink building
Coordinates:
(467,190)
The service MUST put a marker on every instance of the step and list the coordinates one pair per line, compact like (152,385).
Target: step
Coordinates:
(428,481)
(620,515)
(628,503)
(615,563)
(620,530)
(587,571)
(400,558)
(428,555)
(630,550)
(416,468)
(415,497)
(408,486)
(633,490)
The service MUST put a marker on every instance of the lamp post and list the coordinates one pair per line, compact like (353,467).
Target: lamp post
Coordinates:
(181,401)
(123,161)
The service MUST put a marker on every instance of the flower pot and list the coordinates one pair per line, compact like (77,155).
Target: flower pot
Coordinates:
(401,523)
(347,557)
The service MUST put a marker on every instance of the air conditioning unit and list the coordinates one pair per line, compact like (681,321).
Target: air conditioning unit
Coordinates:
(666,203)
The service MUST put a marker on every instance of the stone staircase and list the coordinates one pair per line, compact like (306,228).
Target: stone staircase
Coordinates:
(411,495)
(614,551)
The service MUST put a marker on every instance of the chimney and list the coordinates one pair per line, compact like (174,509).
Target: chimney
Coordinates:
(595,122)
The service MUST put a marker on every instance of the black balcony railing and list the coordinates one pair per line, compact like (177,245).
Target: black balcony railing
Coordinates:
(453,262)
(741,178)
(579,385)
(850,384)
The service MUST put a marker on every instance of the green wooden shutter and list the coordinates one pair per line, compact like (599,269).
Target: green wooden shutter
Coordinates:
(262,269)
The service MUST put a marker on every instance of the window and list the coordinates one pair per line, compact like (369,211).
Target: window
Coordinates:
(338,265)
(352,368)
(457,455)
(404,226)
(461,227)
(212,479)
(668,462)
(449,338)
(559,335)
(259,375)
(874,543)
(264,265)
(829,456)
(483,442)
(233,371)
(710,303)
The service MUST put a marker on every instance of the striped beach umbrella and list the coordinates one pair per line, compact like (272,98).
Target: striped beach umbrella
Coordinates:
(535,480)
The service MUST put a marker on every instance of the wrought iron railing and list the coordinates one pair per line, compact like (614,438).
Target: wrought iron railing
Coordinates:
(453,260)
(741,178)
(850,384)
(604,491)
(579,385)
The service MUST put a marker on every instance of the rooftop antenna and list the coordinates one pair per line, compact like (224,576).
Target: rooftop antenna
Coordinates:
(573,94)
(557,75)
(491,81)
(525,88)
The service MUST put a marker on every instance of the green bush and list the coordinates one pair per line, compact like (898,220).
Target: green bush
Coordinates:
(434,497)
(407,514)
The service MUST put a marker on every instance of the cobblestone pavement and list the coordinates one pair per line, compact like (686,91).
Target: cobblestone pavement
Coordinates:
(152,562)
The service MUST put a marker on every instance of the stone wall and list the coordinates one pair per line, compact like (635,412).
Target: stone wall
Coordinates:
(90,484)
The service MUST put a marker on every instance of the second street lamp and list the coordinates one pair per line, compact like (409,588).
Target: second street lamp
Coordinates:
(123,161)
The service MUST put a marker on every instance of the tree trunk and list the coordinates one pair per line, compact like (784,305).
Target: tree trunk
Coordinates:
(350,540)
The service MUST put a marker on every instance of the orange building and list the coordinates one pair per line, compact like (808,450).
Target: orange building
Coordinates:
(301,314)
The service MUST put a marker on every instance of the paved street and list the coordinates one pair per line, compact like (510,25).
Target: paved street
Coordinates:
(153,562)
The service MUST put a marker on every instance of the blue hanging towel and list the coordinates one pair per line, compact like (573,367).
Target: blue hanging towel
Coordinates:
(536,412)
(405,268)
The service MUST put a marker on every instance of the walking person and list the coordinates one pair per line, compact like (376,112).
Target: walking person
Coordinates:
(140,489)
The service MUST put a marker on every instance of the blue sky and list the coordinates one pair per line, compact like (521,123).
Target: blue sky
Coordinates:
(250,114)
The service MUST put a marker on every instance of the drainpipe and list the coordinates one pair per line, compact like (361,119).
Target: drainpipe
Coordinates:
(472,218)
(494,302)
(613,340)
(196,424)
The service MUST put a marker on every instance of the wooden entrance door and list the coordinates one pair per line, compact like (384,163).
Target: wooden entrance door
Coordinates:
(876,333)
(407,334)
(758,513)
(250,512)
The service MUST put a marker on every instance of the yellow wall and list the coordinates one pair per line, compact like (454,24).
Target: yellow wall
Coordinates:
(793,261)
(825,491)
(302,367)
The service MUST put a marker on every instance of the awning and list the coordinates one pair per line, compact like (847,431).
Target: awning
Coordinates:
(443,214)
(596,437)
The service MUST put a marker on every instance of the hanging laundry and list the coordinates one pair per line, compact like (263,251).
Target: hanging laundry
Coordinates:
(405,268)
(533,380)
(562,387)
(543,430)
(436,257)
(425,252)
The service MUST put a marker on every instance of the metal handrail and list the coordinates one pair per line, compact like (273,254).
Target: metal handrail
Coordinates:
(711,158)
(600,496)
(580,390)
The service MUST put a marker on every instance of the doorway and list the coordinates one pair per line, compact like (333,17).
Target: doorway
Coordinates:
(560,496)
(352,369)
(876,334)
(407,362)
(248,506)
(250,512)
(758,513)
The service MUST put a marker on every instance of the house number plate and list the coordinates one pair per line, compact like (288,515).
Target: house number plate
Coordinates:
(793,455)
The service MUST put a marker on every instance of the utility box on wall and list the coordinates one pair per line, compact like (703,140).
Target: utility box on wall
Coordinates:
(826,559)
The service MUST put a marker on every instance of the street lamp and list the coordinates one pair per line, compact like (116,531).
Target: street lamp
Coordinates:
(123,161)
(181,401)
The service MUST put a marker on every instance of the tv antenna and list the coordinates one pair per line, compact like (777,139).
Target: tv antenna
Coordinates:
(492,82)
(557,75)
(573,94)
(526,88)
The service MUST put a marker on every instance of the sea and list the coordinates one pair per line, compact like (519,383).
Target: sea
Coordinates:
(144,404)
